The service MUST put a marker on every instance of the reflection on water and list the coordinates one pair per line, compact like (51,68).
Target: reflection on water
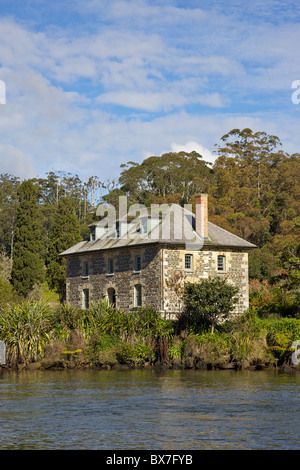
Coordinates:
(147,409)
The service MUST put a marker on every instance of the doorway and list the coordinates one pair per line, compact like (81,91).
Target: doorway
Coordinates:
(111,293)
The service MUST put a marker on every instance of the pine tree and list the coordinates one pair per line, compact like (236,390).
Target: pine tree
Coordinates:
(28,263)
(65,233)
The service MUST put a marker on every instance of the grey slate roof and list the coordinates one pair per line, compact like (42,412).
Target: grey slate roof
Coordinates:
(162,234)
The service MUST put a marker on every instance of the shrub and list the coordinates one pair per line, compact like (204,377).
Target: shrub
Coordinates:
(7,293)
(134,354)
(263,297)
(208,303)
(149,321)
(25,329)
(206,349)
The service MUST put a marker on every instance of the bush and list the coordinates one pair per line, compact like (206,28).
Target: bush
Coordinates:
(208,303)
(134,354)
(7,293)
(25,329)
(281,334)
(263,297)
(206,350)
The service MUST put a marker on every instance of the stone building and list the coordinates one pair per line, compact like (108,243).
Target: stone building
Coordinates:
(145,260)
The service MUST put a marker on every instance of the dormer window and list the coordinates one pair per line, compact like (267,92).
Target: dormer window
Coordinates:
(92,234)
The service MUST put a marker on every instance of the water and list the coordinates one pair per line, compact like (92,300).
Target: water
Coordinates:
(149,410)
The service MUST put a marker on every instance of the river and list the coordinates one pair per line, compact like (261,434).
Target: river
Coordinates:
(149,410)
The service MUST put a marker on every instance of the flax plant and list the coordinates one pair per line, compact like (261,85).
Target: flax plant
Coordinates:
(25,330)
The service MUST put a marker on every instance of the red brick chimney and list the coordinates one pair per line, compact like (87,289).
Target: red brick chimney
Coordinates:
(201,214)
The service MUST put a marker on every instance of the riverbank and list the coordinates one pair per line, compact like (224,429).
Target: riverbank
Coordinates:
(102,337)
(42,366)
(286,368)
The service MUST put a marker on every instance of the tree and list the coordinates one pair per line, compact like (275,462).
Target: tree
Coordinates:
(65,233)
(208,302)
(28,263)
(172,173)
(8,204)
(256,186)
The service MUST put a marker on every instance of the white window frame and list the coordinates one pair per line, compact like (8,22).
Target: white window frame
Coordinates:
(92,234)
(188,266)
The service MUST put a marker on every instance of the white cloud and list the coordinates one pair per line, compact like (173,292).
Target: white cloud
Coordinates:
(134,78)
(14,162)
(194,146)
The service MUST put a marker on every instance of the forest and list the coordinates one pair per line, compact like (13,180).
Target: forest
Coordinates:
(253,188)
(254,192)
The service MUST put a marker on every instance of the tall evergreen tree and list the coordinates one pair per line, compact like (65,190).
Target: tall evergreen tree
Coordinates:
(28,263)
(65,233)
(8,203)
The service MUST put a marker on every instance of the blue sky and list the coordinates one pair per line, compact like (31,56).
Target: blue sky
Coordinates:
(93,84)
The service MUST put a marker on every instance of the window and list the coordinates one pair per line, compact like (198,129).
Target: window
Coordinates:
(137,263)
(221,263)
(86,298)
(138,295)
(188,262)
(85,269)
(110,266)
(92,234)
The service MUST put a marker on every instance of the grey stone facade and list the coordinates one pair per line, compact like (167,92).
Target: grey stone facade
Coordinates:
(122,281)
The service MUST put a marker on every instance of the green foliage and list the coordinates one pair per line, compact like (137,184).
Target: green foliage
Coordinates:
(28,264)
(7,293)
(66,319)
(263,264)
(256,185)
(149,321)
(208,303)
(172,173)
(65,232)
(25,329)
(263,297)
(8,205)
(206,350)
(268,299)
(134,354)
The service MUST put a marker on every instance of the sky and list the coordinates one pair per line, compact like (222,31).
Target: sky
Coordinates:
(88,85)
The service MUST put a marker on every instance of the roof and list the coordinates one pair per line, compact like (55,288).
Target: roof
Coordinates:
(166,231)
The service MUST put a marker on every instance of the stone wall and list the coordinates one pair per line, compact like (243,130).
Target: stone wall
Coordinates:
(161,277)
(122,280)
(204,266)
